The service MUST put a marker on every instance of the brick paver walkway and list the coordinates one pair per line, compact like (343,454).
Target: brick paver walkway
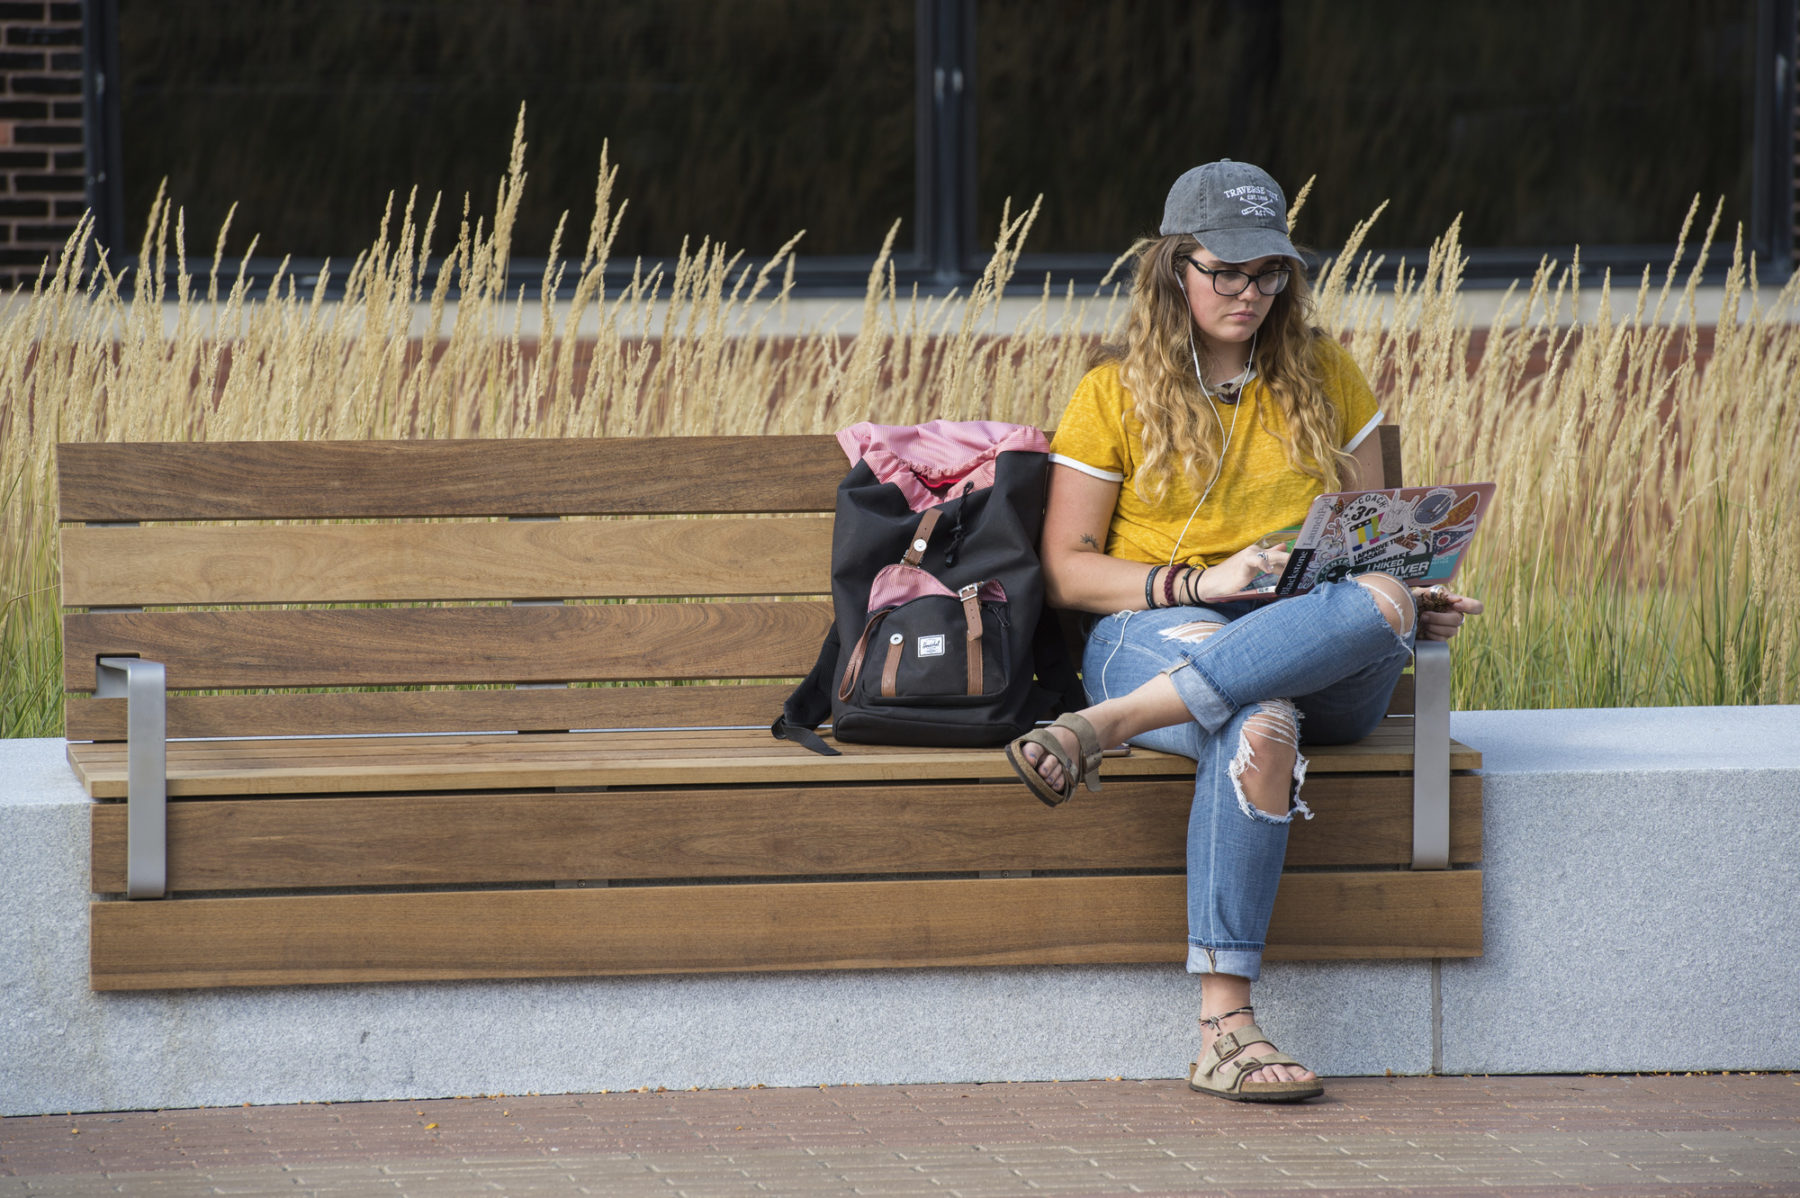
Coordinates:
(1711,1135)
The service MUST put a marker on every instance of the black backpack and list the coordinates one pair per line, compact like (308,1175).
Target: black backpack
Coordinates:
(937,593)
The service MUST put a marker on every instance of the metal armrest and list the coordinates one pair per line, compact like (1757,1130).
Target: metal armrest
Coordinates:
(1431,755)
(142,684)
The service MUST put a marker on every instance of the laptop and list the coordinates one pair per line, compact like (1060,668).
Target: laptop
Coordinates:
(1417,534)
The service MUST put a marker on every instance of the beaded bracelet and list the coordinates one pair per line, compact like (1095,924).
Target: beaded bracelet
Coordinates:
(1169,586)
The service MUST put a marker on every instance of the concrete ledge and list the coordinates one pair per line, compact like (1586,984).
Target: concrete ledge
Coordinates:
(1640,916)
(1642,893)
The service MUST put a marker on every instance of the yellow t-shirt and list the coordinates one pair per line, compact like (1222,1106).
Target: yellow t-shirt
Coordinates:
(1257,492)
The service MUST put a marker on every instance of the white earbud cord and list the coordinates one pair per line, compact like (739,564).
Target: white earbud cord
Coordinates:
(1218,466)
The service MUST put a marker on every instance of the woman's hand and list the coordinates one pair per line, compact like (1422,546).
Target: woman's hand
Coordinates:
(1236,572)
(1442,612)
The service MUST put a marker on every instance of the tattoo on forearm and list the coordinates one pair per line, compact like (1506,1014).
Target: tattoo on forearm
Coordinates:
(1088,538)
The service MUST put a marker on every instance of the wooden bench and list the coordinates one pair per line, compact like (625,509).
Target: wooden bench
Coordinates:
(387,758)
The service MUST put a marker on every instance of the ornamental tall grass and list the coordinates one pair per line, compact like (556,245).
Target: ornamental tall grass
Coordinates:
(1641,550)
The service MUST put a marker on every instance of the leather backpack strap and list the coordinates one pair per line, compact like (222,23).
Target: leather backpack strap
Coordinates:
(971,604)
(853,669)
(915,549)
(890,668)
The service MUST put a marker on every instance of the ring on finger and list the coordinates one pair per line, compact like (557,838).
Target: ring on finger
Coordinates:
(1435,599)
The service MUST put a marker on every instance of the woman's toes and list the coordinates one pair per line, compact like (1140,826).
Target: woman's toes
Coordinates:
(1280,1073)
(1048,767)
(1070,745)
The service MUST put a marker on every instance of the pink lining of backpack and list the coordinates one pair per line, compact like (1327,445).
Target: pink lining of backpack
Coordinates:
(901,583)
(927,460)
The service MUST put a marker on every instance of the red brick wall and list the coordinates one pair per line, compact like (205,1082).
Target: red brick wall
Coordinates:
(43,171)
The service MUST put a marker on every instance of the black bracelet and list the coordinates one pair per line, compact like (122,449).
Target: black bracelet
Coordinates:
(1192,582)
(1150,588)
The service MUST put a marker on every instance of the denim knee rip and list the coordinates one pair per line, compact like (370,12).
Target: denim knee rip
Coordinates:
(1407,617)
(1192,633)
(1275,721)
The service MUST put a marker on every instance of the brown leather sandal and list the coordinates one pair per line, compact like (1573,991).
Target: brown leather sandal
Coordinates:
(1223,1069)
(1085,767)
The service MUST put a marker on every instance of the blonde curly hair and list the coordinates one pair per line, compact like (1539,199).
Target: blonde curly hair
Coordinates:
(1156,365)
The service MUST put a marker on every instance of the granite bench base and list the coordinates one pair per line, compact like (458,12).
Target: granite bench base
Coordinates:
(1642,915)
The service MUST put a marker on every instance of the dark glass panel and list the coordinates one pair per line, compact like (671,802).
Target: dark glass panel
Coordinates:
(1544,124)
(744,121)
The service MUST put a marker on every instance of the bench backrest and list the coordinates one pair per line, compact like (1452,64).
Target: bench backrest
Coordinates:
(333,587)
(336,588)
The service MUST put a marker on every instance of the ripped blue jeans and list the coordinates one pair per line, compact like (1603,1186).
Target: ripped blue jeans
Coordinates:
(1327,660)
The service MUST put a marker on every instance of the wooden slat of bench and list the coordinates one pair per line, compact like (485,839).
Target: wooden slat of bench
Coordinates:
(352,713)
(425,645)
(582,759)
(679,929)
(413,840)
(256,480)
(372,563)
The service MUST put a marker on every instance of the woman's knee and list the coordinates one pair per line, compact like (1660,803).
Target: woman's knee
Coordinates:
(1266,770)
(1392,597)
(1189,634)
(1192,633)
(1124,652)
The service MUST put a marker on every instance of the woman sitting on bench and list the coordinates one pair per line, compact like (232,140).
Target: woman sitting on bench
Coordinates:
(1225,414)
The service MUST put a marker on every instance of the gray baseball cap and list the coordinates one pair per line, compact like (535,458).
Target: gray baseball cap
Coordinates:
(1235,210)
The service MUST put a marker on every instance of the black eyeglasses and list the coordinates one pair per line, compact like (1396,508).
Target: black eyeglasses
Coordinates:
(1228,281)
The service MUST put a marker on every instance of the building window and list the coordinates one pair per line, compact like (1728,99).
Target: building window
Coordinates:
(1544,125)
(741,122)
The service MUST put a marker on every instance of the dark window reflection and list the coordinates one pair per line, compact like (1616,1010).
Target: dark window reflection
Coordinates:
(744,121)
(1544,124)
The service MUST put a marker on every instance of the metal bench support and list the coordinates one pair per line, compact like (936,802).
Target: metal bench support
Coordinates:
(1431,755)
(142,684)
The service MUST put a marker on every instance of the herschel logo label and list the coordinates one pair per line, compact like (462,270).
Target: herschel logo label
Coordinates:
(931,646)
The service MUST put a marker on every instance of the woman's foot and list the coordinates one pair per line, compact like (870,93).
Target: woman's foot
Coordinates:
(1238,1063)
(1073,764)
(1156,704)
(1045,762)
(1244,1017)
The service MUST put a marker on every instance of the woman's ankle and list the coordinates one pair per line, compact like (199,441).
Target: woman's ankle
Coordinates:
(1215,1024)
